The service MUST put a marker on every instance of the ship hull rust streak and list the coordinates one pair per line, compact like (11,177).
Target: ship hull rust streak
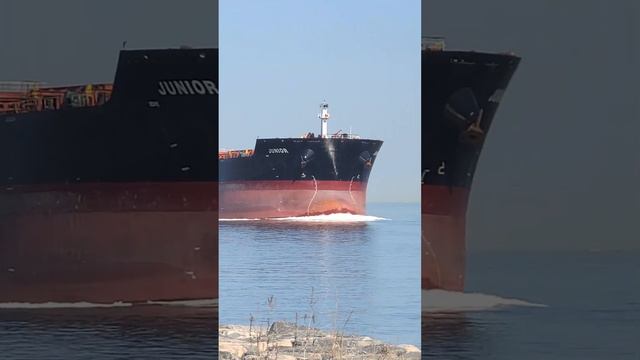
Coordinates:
(282,198)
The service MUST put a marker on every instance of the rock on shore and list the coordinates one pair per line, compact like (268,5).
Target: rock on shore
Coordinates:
(285,341)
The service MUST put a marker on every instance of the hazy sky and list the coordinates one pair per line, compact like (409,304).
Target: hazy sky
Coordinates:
(77,41)
(561,166)
(279,59)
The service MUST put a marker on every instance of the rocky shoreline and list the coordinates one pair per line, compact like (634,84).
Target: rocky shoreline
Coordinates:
(287,341)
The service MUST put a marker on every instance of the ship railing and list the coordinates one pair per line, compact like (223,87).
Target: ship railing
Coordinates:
(338,135)
(19,86)
(40,99)
(343,135)
(433,43)
(232,154)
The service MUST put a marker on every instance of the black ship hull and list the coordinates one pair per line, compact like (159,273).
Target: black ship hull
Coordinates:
(116,202)
(461,92)
(297,177)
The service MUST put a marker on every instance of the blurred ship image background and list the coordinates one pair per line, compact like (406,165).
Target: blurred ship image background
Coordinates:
(109,180)
(547,240)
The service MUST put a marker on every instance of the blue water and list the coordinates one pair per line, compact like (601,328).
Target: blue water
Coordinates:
(592,308)
(148,332)
(363,278)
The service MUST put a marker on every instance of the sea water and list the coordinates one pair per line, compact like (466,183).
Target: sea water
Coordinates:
(357,274)
(538,305)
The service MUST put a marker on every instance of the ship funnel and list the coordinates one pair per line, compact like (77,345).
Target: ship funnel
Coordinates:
(324,119)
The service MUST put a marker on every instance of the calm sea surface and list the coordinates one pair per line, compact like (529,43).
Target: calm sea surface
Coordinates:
(592,308)
(149,332)
(362,277)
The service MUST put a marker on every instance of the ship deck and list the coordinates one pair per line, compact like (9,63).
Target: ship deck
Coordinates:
(18,97)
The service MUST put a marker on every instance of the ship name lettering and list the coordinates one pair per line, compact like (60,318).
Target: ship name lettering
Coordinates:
(187,87)
(278,151)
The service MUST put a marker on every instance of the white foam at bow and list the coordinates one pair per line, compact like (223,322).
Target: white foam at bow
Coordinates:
(444,301)
(256,219)
(338,217)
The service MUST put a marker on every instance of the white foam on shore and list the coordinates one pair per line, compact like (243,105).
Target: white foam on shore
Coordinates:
(334,218)
(58,305)
(446,301)
(118,304)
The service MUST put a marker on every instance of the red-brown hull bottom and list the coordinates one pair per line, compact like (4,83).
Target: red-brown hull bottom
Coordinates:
(277,199)
(128,250)
(443,237)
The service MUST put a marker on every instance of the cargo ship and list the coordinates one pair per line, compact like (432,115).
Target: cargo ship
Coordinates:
(108,192)
(291,177)
(461,92)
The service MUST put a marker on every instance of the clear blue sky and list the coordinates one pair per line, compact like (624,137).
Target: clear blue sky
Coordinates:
(279,59)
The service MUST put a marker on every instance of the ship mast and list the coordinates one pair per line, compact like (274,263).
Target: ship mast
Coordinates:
(324,119)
